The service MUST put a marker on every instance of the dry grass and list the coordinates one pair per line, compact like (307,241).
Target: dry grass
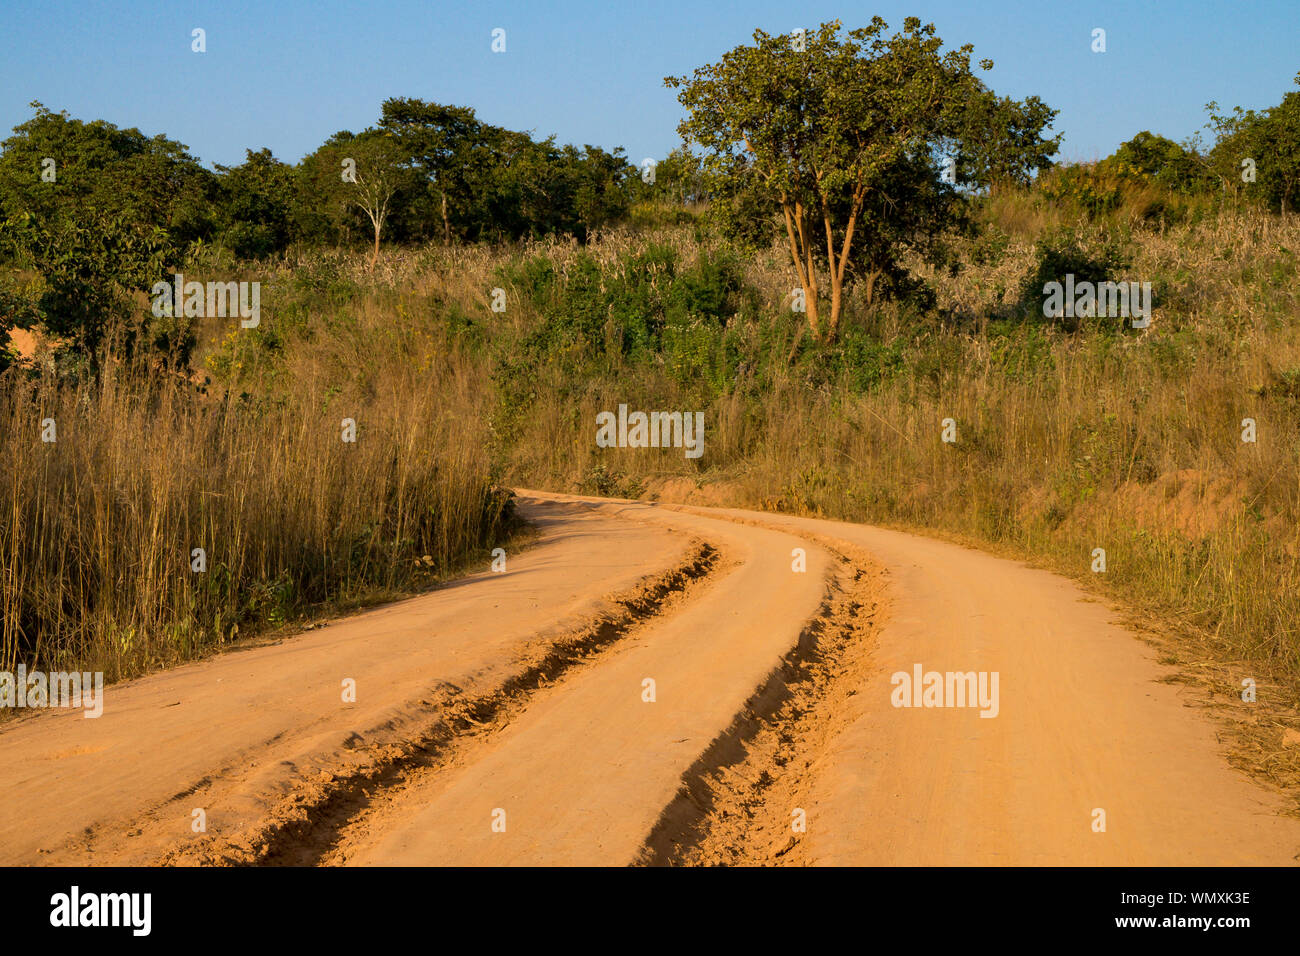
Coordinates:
(1125,441)
(1129,442)
(97,529)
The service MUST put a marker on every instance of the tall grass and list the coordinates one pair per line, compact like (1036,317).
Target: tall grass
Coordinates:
(1068,440)
(98,529)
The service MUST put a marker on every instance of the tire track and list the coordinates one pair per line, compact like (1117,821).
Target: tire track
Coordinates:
(738,802)
(306,826)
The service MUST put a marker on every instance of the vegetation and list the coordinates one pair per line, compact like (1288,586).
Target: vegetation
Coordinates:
(474,312)
(838,134)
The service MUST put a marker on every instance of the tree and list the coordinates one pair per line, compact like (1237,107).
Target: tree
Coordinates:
(486,181)
(366,172)
(115,212)
(381,172)
(678,177)
(57,167)
(1001,140)
(538,188)
(257,204)
(88,269)
(1281,152)
(449,146)
(824,126)
(1275,139)
(1270,140)
(600,194)
(320,211)
(1160,160)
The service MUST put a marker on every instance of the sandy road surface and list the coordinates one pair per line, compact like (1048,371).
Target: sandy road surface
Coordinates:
(1084,724)
(583,775)
(231,734)
(581,766)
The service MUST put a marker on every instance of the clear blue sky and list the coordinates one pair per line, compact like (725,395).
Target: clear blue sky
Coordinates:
(288,73)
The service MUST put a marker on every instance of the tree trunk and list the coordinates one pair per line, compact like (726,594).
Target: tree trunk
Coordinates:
(801,254)
(838,266)
(446,224)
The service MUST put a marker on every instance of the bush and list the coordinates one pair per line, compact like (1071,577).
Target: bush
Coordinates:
(1061,254)
(623,309)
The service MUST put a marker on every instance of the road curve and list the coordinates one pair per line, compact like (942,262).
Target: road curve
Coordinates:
(1091,759)
(1086,723)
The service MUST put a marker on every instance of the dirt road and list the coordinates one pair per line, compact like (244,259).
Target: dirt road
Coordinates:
(658,684)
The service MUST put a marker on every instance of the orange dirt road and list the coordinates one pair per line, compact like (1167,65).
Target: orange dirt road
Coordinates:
(550,714)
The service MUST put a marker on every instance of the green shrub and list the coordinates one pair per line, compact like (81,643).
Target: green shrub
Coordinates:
(1058,255)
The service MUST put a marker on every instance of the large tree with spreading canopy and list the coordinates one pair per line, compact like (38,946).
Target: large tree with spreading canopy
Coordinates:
(836,130)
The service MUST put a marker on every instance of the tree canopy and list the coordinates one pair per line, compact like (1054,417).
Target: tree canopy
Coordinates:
(834,129)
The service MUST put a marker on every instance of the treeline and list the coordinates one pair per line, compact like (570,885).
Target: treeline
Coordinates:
(1254,158)
(92,215)
(452,177)
(99,213)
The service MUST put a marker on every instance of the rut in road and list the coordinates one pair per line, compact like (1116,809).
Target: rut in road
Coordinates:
(781,741)
(306,827)
(524,691)
(1094,757)
(739,802)
(584,774)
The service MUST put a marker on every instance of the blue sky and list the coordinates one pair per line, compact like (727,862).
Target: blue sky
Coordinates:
(288,73)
